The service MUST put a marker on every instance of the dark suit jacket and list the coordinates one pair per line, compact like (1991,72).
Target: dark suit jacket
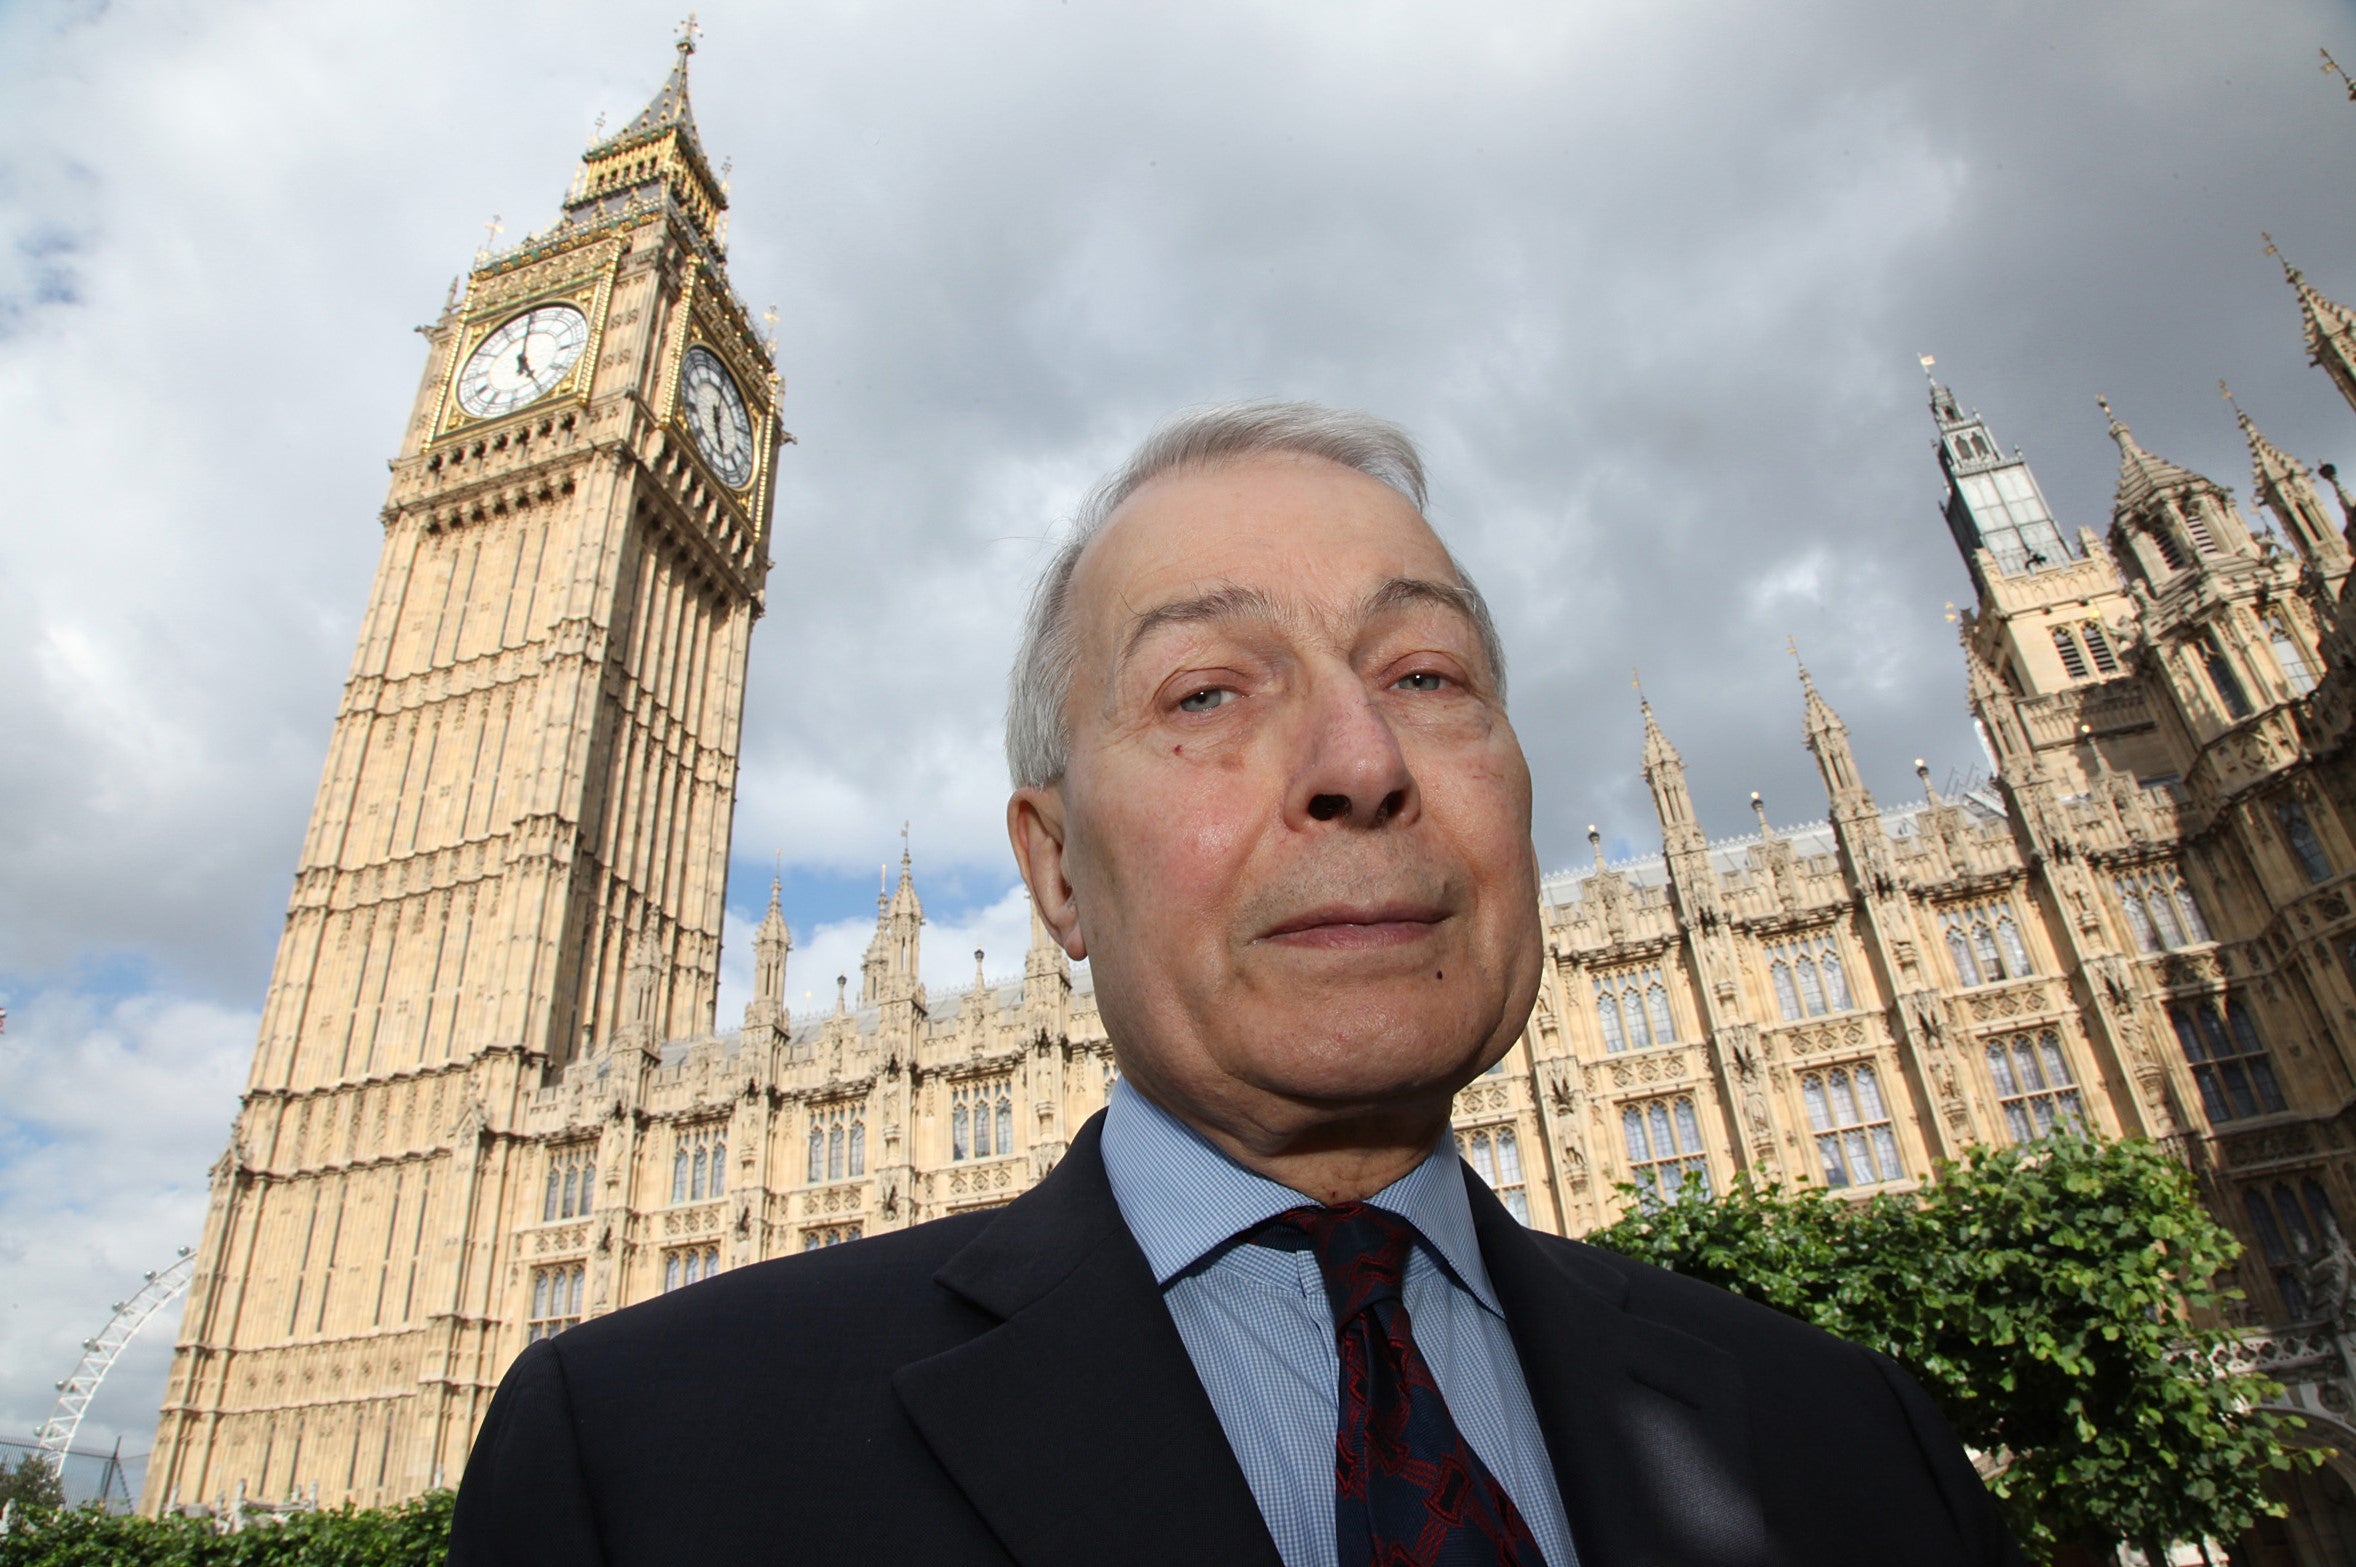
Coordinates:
(1007,1387)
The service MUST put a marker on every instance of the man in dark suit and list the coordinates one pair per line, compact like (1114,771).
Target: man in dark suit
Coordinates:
(1261,1312)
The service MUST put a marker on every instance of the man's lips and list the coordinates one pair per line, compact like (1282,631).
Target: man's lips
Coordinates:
(1357,925)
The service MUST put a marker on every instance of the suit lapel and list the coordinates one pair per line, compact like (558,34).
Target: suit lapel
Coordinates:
(1077,1426)
(1646,1424)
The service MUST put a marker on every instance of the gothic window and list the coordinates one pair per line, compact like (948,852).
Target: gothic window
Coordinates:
(2299,833)
(1984,940)
(556,1300)
(1497,1159)
(838,1142)
(2034,1086)
(1807,975)
(1664,1140)
(1632,1009)
(2160,910)
(2098,648)
(2170,550)
(1982,449)
(2229,1062)
(688,1265)
(572,1183)
(2073,659)
(2221,675)
(699,1163)
(2297,672)
(2196,528)
(825,1235)
(1853,1137)
(981,1119)
(2292,1223)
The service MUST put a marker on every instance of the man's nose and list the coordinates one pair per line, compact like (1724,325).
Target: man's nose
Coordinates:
(1351,770)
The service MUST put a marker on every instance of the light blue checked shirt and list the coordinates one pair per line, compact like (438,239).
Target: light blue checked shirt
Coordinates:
(1258,1326)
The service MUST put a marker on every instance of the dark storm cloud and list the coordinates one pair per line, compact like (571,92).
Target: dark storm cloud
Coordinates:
(1648,281)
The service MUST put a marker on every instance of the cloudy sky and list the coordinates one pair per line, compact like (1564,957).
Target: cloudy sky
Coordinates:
(1648,280)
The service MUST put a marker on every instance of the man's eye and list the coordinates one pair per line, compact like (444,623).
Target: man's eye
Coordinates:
(1423,680)
(1204,700)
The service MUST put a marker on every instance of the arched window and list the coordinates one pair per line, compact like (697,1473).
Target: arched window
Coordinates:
(817,1155)
(548,1208)
(2073,661)
(2229,1062)
(1005,1124)
(859,1147)
(2016,951)
(1656,1008)
(719,1165)
(588,1184)
(1854,1141)
(670,1273)
(1984,948)
(1787,996)
(695,1182)
(1806,974)
(834,1152)
(1967,968)
(1836,983)
(959,1146)
(2299,833)
(2034,1086)
(679,1173)
(2297,672)
(2222,676)
(1607,1017)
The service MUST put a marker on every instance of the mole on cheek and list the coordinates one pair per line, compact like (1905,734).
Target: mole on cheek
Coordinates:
(1439,973)
(1177,750)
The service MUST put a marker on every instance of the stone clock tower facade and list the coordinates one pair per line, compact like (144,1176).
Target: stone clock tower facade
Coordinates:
(521,836)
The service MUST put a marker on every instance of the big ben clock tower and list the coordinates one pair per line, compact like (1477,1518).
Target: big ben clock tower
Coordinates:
(524,817)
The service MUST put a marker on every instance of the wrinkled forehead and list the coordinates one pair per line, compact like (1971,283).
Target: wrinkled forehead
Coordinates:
(1297,531)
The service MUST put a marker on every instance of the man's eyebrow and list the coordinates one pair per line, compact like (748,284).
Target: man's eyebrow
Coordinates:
(1404,592)
(1228,603)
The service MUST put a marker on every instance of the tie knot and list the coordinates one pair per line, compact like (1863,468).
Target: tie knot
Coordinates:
(1361,1250)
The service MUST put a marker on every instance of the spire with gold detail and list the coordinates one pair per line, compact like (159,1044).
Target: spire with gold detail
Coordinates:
(2283,485)
(655,158)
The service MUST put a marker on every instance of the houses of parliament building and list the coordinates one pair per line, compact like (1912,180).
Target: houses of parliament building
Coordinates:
(488,1100)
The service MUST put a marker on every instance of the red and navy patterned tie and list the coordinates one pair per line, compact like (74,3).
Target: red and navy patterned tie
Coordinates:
(1409,1491)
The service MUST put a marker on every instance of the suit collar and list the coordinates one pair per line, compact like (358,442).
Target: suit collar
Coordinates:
(1077,1426)
(1647,1426)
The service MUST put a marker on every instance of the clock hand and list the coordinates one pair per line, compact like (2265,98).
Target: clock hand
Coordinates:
(523,365)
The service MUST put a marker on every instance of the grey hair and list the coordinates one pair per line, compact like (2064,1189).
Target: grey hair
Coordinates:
(1037,727)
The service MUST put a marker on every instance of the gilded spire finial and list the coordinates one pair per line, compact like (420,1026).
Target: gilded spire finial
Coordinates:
(2332,68)
(687,34)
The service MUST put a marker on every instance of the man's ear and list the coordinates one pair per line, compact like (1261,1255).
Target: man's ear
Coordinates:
(1035,826)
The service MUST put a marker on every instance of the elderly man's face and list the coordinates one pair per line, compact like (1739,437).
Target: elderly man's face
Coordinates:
(1294,835)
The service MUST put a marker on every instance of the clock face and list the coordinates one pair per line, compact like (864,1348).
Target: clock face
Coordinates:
(522,361)
(715,414)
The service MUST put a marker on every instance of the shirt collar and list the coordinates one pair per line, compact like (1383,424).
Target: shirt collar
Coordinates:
(1181,1197)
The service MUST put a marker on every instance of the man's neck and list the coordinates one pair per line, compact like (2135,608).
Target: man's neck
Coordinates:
(1333,1161)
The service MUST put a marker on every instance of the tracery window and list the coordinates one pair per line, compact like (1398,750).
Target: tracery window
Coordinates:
(1984,940)
(2160,910)
(572,1183)
(2292,1223)
(2221,675)
(689,1264)
(2034,1085)
(1496,1157)
(2299,833)
(1664,1141)
(981,1118)
(1854,1141)
(828,1235)
(556,1300)
(1632,1009)
(2229,1061)
(838,1142)
(2297,672)
(699,1163)
(1807,975)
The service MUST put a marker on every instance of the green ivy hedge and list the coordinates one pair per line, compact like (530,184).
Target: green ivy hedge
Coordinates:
(414,1535)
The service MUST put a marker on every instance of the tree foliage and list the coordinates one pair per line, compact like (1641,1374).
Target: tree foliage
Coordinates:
(415,1535)
(30,1483)
(2058,1300)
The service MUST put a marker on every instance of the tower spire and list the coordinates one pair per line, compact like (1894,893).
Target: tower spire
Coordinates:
(2330,327)
(2283,485)
(1828,738)
(656,157)
(1993,502)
